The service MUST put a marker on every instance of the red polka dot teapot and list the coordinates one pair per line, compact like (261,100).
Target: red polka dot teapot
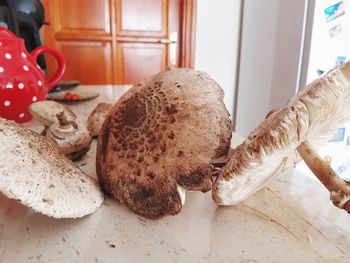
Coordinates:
(22,81)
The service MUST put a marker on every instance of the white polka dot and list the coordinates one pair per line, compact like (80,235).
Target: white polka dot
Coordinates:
(8,56)
(34,98)
(21,115)
(40,83)
(23,54)
(25,68)
(1,70)
(7,103)
(9,85)
(20,85)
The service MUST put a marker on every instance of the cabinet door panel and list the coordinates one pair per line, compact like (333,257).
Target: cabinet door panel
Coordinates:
(90,16)
(142,17)
(133,58)
(91,61)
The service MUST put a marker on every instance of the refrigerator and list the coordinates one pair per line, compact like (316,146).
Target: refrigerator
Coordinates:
(284,45)
(330,47)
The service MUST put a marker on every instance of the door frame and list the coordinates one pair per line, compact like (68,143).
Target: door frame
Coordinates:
(189,12)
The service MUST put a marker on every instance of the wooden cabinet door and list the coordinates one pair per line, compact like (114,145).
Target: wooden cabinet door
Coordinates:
(118,41)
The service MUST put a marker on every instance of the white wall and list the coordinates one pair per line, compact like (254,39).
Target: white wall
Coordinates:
(217,41)
(271,44)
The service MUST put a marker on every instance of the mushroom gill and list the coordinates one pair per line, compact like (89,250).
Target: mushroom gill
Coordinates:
(162,133)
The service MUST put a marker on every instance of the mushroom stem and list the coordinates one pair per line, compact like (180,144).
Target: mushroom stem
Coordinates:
(64,122)
(62,118)
(338,188)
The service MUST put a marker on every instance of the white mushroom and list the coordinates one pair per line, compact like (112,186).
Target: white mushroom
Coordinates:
(34,173)
(309,120)
(45,112)
(162,133)
(97,117)
(68,133)
(71,137)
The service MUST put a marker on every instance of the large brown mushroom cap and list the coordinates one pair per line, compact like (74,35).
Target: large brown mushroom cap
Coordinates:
(314,115)
(33,172)
(163,132)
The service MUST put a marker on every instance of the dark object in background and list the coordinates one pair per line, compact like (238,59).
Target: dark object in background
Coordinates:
(33,8)
(24,18)
(319,72)
(65,85)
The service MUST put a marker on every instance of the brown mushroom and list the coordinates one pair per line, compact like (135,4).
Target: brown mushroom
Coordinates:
(309,120)
(162,133)
(35,174)
(97,117)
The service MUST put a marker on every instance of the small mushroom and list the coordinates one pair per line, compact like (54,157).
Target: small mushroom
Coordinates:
(162,134)
(309,120)
(34,173)
(62,127)
(45,112)
(71,137)
(97,117)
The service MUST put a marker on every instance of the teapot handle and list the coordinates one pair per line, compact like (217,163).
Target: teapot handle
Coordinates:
(61,64)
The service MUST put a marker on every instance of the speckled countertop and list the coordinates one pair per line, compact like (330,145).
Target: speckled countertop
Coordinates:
(290,220)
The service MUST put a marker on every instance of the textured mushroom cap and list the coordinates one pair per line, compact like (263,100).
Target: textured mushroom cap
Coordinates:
(163,132)
(45,112)
(34,173)
(97,118)
(314,114)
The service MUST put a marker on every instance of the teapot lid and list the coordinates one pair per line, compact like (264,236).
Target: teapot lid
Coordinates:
(8,40)
(6,34)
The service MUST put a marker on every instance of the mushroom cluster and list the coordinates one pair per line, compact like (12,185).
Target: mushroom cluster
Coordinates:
(308,121)
(160,136)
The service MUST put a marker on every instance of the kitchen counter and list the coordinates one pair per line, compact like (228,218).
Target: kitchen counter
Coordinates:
(290,220)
